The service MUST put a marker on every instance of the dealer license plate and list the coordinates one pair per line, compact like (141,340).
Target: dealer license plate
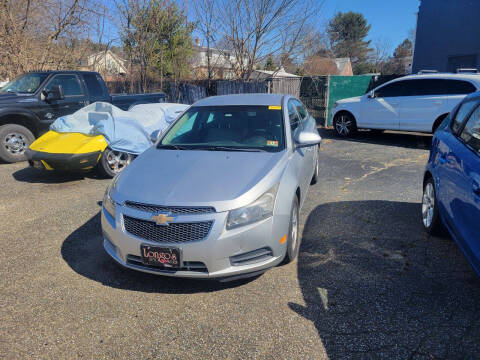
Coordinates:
(160,256)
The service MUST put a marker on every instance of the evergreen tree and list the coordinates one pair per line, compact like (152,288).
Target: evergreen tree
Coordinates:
(269,64)
(347,33)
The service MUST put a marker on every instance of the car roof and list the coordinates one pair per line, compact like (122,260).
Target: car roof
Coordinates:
(474,77)
(241,99)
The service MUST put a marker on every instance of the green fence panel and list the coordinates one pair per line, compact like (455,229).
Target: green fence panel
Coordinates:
(341,87)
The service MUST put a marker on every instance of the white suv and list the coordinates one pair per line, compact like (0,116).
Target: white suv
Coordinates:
(411,103)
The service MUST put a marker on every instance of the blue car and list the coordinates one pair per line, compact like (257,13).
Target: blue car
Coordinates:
(451,185)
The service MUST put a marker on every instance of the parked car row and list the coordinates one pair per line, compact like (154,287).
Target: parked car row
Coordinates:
(218,194)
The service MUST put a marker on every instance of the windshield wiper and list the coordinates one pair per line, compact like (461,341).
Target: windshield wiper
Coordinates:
(174,147)
(228,148)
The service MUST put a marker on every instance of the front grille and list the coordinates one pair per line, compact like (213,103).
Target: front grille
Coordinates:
(179,210)
(195,266)
(172,233)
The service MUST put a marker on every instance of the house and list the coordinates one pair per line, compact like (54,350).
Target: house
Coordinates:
(106,63)
(318,65)
(344,66)
(267,74)
(222,62)
(447,35)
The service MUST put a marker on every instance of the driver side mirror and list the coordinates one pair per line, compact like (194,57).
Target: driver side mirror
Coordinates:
(371,95)
(155,135)
(307,139)
(55,93)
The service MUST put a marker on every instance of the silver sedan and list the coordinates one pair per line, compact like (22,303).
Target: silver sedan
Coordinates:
(218,195)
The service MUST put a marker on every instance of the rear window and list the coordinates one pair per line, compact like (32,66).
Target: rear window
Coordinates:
(459,87)
(94,85)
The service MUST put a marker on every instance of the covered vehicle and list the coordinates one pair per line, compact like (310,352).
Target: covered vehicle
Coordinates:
(101,136)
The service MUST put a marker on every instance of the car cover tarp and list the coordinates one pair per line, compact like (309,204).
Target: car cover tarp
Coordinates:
(126,131)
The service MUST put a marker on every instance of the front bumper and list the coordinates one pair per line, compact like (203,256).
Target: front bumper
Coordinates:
(64,162)
(221,254)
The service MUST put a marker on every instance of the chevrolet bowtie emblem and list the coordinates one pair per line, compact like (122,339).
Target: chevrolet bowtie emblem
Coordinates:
(162,219)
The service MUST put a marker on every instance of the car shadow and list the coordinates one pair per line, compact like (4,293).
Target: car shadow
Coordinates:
(375,285)
(387,138)
(32,175)
(83,251)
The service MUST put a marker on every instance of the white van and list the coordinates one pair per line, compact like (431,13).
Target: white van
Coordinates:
(411,103)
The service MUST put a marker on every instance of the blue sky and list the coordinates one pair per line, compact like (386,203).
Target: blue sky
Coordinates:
(390,19)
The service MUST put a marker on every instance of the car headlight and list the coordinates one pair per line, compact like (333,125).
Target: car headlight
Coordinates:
(108,203)
(260,209)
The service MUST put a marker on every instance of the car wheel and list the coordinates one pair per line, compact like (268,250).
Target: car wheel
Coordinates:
(113,162)
(345,125)
(14,140)
(430,217)
(293,240)
(315,174)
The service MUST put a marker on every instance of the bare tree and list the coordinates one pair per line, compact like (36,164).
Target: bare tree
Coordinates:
(256,29)
(380,55)
(43,34)
(206,14)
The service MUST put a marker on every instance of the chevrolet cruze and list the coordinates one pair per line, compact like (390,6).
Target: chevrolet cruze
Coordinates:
(218,195)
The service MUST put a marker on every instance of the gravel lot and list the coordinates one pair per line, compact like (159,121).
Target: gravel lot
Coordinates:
(369,283)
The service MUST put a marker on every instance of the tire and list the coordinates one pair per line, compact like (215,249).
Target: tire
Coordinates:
(315,174)
(430,217)
(113,162)
(14,140)
(344,125)
(293,241)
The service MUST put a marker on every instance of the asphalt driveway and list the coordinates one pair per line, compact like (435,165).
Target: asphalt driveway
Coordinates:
(369,283)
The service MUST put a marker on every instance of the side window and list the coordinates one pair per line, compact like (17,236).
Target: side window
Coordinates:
(70,84)
(462,113)
(459,87)
(425,87)
(471,131)
(391,90)
(93,85)
(301,109)
(293,117)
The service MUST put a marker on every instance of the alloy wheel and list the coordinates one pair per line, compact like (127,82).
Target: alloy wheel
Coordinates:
(344,125)
(428,205)
(117,160)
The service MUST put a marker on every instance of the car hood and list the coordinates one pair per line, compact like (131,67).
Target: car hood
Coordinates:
(199,178)
(349,100)
(68,143)
(12,98)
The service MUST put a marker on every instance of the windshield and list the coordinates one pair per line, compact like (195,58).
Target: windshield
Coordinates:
(27,83)
(228,128)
